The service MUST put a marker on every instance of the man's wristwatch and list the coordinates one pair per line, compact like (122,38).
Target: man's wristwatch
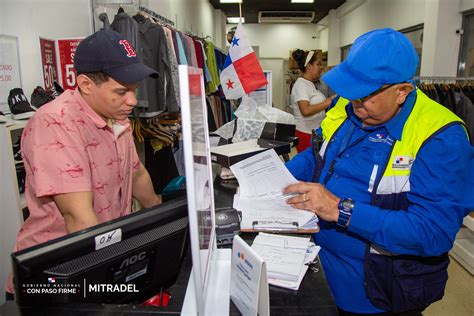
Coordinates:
(346,206)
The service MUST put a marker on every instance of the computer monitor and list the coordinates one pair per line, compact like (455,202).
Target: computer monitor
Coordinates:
(125,260)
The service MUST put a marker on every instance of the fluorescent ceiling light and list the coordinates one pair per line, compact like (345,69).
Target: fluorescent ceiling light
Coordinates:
(300,1)
(231,1)
(235,20)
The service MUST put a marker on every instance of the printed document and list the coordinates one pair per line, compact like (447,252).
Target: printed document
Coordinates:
(262,179)
(311,254)
(286,258)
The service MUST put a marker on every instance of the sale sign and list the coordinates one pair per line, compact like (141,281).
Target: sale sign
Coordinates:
(48,59)
(67,50)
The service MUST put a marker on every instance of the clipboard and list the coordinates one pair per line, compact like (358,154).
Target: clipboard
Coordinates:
(291,229)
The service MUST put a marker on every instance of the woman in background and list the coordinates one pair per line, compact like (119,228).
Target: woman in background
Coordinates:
(308,103)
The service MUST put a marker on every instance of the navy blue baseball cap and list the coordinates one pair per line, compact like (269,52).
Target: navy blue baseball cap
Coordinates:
(376,58)
(111,53)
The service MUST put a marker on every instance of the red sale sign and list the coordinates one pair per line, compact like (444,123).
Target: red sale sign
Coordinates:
(67,49)
(48,60)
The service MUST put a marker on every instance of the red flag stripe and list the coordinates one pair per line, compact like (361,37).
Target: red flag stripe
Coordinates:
(250,72)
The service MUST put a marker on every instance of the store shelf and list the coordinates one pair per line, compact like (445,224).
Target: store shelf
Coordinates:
(469,222)
(463,249)
(15,124)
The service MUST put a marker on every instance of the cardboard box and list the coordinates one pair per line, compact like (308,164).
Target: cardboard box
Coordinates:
(227,155)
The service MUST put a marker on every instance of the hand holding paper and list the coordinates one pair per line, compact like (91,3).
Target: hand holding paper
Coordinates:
(262,178)
(314,197)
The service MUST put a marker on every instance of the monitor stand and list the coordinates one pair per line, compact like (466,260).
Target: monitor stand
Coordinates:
(218,292)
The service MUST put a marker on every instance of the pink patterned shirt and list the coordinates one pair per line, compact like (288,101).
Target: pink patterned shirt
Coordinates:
(67,147)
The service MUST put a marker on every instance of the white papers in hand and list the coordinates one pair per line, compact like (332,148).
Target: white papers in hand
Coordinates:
(262,175)
(262,179)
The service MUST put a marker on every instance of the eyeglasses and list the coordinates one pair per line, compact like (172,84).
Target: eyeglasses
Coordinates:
(361,100)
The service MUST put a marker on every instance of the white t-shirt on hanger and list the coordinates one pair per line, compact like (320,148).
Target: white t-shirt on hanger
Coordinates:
(305,90)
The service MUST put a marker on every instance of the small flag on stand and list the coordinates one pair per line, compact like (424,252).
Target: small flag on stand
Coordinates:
(242,72)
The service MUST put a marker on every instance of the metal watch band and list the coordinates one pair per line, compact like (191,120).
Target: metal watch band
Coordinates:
(345,206)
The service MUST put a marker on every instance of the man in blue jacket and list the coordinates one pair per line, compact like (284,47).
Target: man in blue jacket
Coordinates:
(391,182)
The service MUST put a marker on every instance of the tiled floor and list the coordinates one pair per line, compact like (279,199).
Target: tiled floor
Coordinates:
(458,299)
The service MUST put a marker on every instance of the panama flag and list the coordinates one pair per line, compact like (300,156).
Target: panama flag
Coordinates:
(242,72)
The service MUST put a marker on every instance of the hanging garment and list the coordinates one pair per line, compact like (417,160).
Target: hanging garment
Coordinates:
(198,52)
(169,37)
(211,122)
(219,60)
(160,165)
(465,110)
(211,64)
(207,75)
(105,20)
(192,50)
(174,70)
(161,94)
(187,51)
(183,60)
(128,27)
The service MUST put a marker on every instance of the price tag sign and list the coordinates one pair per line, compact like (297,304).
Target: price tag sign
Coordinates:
(48,60)
(9,69)
(67,50)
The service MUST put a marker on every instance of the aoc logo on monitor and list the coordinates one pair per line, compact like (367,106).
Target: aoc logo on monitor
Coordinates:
(133,259)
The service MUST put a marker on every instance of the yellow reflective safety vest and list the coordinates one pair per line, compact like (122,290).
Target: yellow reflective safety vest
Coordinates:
(426,120)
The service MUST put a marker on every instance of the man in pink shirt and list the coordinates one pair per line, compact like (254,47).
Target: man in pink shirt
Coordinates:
(81,163)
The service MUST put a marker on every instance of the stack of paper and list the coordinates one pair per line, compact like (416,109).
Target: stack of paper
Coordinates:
(262,179)
(286,258)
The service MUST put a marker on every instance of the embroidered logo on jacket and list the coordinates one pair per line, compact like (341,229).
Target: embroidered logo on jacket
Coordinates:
(402,162)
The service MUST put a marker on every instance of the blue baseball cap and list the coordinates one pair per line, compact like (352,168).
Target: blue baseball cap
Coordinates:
(111,53)
(376,58)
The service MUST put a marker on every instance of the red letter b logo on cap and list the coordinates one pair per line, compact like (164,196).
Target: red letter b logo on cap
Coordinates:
(128,48)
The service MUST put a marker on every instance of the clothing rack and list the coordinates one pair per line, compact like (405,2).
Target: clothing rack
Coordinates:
(441,79)
(156,15)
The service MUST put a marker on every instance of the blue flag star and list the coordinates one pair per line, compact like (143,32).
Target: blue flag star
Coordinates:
(235,41)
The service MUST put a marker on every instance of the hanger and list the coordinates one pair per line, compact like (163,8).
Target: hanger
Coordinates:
(120,10)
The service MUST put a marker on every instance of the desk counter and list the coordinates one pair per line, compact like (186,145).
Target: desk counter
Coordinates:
(313,298)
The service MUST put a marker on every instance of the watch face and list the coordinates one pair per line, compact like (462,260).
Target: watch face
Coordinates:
(348,204)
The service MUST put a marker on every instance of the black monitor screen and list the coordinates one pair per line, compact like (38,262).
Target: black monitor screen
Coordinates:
(126,260)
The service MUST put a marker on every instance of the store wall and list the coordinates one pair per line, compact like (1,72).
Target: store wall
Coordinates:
(465,5)
(2,21)
(30,19)
(278,80)
(378,14)
(441,18)
(324,34)
(196,16)
(277,40)
(440,41)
